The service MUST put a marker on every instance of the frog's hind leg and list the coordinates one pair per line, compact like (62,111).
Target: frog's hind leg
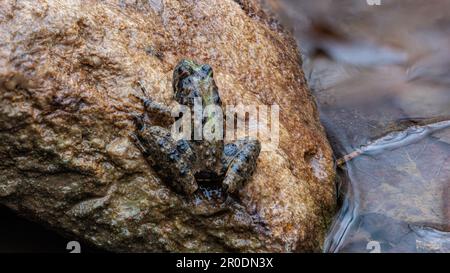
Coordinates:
(239,161)
(171,159)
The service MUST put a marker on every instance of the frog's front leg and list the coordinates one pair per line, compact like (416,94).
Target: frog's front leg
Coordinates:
(171,159)
(159,113)
(239,162)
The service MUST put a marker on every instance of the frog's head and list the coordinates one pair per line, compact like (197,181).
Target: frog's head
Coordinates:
(191,81)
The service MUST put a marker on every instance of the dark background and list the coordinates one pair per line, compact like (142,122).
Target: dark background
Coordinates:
(20,235)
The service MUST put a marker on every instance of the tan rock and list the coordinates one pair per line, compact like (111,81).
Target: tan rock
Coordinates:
(67,69)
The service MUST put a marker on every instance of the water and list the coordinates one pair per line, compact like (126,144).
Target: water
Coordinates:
(380,75)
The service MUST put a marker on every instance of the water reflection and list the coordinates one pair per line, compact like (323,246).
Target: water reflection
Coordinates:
(381,78)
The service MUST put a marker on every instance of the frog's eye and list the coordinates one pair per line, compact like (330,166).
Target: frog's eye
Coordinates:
(206,69)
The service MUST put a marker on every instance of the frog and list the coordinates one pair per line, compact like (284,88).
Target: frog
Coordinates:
(184,163)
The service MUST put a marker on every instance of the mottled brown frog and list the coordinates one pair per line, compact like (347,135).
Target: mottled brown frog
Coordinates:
(183,163)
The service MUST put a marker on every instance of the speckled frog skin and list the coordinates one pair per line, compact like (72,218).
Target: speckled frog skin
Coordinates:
(184,163)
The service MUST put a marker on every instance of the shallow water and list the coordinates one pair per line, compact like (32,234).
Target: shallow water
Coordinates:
(380,75)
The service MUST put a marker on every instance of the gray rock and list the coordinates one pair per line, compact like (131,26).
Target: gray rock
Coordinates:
(67,72)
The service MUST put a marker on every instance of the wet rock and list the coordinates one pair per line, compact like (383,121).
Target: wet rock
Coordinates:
(382,98)
(67,72)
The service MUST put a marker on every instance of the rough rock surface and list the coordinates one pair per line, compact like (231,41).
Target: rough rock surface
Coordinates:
(67,69)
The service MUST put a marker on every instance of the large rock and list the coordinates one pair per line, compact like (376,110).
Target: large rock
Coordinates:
(67,69)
